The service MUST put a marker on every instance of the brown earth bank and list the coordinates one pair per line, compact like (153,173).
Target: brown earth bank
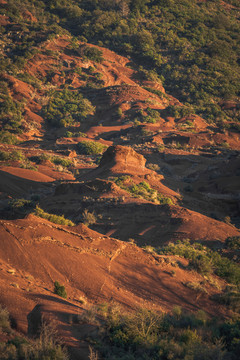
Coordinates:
(35,252)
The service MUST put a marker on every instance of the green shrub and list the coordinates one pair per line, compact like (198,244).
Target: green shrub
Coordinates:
(60,290)
(201,264)
(21,204)
(52,217)
(146,334)
(7,138)
(233,243)
(89,218)
(4,320)
(61,161)
(142,190)
(67,107)
(15,155)
(230,297)
(93,54)
(70,134)
(91,148)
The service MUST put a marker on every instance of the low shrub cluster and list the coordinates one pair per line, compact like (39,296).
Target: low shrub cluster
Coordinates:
(4,320)
(11,113)
(70,134)
(204,260)
(142,190)
(7,138)
(91,148)
(93,54)
(21,204)
(15,155)
(230,297)
(52,217)
(147,116)
(57,160)
(89,218)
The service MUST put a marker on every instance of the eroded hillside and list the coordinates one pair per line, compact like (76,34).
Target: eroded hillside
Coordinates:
(109,185)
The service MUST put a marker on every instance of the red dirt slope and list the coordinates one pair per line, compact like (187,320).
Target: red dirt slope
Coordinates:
(34,253)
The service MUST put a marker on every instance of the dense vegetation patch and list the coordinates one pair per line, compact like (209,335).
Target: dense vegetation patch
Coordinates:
(11,114)
(191,46)
(204,260)
(66,108)
(149,335)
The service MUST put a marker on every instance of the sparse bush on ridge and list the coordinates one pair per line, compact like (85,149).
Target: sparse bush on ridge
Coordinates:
(52,217)
(89,218)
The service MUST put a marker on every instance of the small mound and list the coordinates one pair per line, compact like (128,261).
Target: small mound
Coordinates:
(123,159)
(27,174)
(16,186)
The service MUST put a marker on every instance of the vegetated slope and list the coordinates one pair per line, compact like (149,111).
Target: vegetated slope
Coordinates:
(166,173)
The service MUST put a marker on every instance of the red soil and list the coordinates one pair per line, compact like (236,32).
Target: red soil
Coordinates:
(34,253)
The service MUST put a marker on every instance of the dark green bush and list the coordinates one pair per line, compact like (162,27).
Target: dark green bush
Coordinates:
(46,347)
(201,264)
(93,54)
(60,290)
(230,297)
